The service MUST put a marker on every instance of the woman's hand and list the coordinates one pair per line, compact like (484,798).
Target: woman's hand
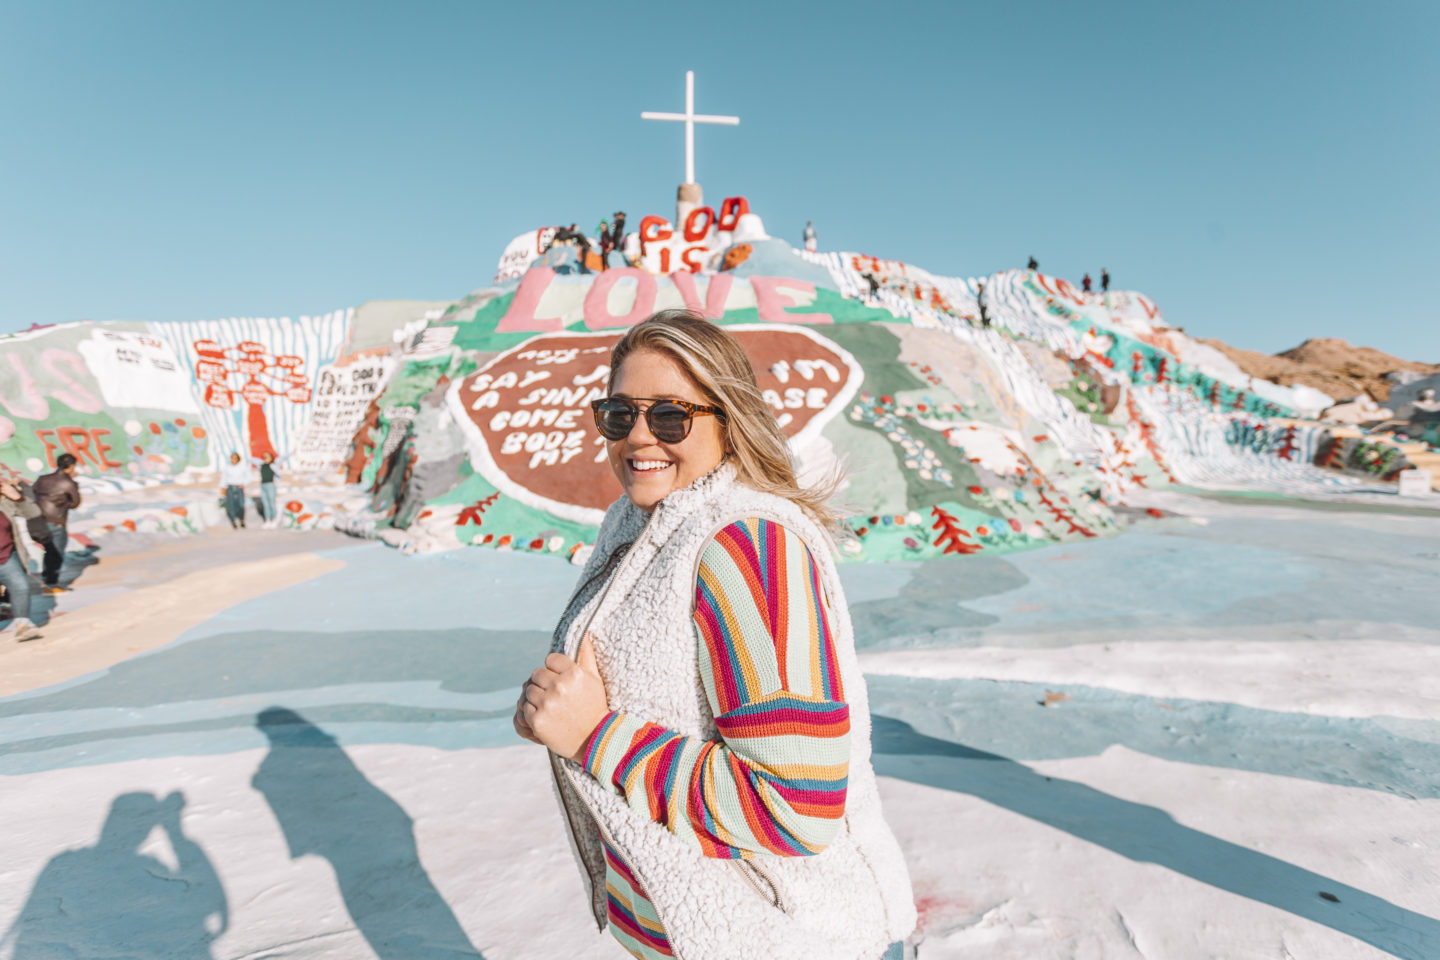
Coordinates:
(522,726)
(563,703)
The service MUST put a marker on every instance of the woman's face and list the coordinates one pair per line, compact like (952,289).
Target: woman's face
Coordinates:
(647,469)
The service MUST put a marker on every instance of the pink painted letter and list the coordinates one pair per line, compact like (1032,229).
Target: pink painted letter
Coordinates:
(597,301)
(771,301)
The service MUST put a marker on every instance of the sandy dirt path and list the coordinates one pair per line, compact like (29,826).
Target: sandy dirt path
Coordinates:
(143,599)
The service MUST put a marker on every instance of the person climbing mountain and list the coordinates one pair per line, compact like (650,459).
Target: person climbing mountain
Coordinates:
(602,231)
(617,230)
(571,236)
(1085,283)
(1033,265)
(583,243)
(980,299)
(1104,280)
(811,243)
(869,278)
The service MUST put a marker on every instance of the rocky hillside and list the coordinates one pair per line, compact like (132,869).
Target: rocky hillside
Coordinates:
(1328,364)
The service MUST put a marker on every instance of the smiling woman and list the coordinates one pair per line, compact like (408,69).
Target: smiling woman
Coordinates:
(647,420)
(707,720)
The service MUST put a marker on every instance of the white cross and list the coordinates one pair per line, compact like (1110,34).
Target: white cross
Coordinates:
(690,117)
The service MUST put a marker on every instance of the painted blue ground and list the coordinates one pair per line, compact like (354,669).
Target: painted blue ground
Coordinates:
(1242,573)
(430,651)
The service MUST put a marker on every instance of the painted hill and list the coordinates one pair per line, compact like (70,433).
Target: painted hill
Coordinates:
(973,414)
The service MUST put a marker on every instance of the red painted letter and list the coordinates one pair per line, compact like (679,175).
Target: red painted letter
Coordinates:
(694,232)
(730,213)
(76,442)
(102,448)
(653,229)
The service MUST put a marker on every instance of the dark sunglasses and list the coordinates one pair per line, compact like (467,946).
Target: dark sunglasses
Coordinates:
(668,420)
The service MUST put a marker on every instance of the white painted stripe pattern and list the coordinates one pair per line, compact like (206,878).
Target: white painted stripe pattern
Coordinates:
(316,340)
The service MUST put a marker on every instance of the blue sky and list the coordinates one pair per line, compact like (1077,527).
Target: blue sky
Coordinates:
(1266,171)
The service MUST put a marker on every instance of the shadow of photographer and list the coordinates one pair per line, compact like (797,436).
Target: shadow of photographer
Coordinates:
(112,900)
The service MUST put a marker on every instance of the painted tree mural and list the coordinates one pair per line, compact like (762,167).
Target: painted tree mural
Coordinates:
(252,374)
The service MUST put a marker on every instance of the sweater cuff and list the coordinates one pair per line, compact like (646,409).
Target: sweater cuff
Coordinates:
(608,746)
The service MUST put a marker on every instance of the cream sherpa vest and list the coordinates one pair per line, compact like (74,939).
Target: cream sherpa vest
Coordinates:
(850,901)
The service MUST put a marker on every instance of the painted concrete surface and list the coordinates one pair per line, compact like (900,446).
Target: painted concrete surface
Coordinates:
(328,769)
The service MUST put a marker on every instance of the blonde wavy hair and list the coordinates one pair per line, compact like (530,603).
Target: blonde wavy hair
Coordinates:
(720,368)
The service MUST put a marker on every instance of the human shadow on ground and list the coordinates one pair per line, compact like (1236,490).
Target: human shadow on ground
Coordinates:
(76,563)
(42,604)
(327,807)
(1150,835)
(111,900)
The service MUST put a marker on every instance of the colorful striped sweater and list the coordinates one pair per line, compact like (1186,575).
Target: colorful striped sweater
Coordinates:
(774,784)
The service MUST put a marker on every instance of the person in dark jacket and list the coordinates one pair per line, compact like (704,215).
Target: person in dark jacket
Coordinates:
(35,524)
(14,563)
(603,232)
(1104,280)
(57,494)
(1085,283)
(617,230)
(1033,265)
(980,301)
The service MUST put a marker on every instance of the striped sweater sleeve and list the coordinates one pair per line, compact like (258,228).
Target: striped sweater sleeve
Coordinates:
(774,783)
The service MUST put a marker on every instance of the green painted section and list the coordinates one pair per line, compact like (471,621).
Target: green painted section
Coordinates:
(489,518)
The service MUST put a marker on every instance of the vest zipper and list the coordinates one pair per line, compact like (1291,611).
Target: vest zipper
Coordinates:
(753,875)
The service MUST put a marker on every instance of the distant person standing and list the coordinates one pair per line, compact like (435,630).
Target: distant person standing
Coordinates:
(1085,283)
(583,242)
(233,477)
(14,563)
(1104,280)
(602,232)
(811,243)
(872,283)
(57,494)
(617,230)
(1033,265)
(267,490)
(980,299)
